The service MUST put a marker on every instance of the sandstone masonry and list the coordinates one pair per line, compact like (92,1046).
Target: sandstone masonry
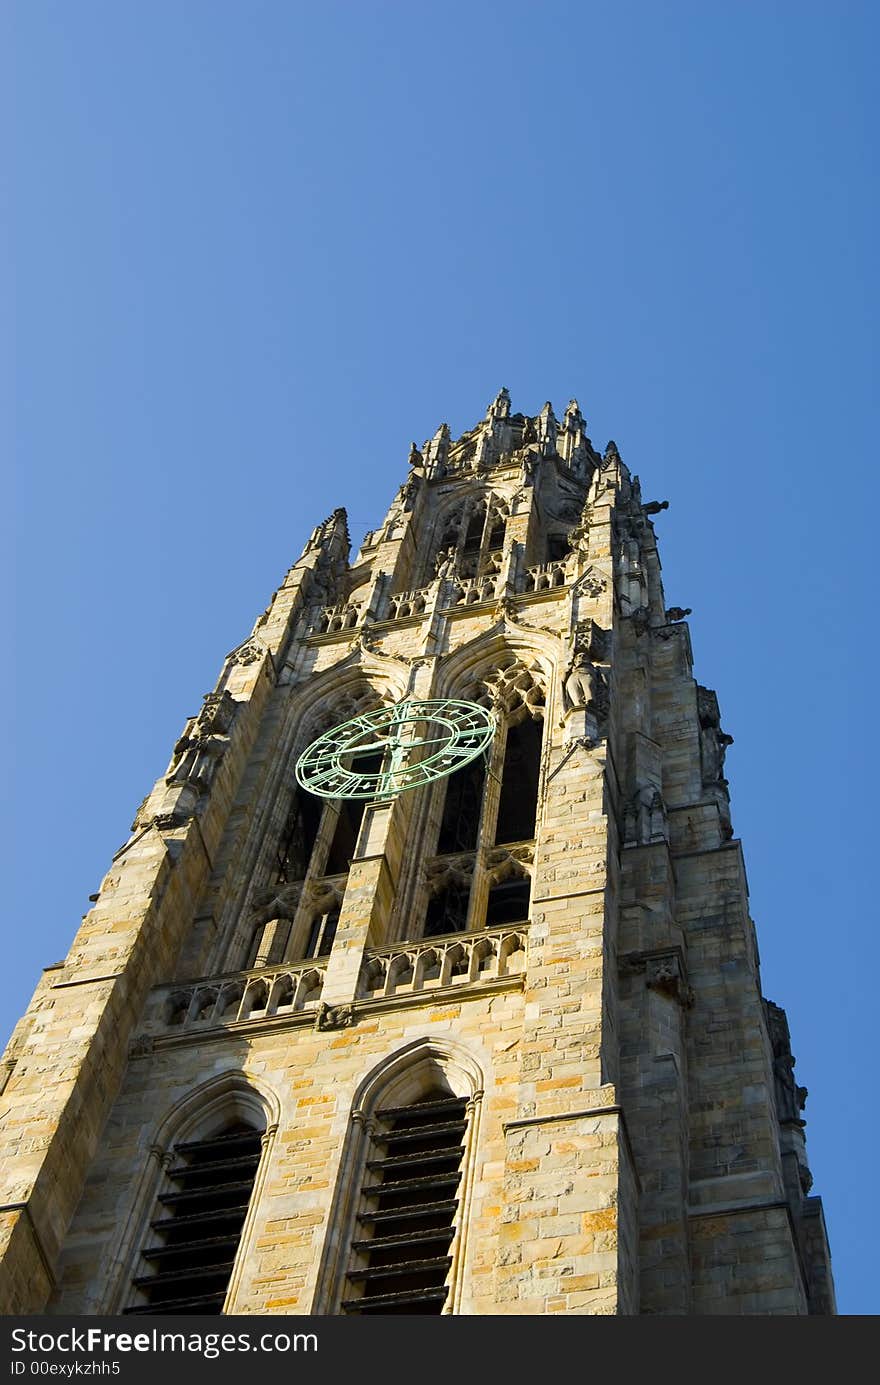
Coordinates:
(528,995)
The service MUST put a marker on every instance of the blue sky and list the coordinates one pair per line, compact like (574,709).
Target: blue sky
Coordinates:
(252,250)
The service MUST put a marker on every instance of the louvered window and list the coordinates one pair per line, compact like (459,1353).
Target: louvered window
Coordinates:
(410,1196)
(197,1223)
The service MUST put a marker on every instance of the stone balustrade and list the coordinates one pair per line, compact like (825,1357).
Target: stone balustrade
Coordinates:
(403,604)
(252,995)
(544,577)
(468,591)
(456,959)
(345,615)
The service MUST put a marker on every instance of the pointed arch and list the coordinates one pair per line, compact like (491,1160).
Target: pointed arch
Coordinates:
(301,838)
(424,1098)
(237,1113)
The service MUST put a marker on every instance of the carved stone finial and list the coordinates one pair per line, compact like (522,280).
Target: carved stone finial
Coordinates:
(334,527)
(500,406)
(547,428)
(436,453)
(611,451)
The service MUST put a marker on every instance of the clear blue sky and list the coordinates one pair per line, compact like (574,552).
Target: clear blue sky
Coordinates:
(253,249)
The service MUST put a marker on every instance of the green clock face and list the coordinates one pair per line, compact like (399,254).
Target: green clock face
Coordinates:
(385,752)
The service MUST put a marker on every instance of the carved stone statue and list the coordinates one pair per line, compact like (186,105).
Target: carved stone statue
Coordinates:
(678,612)
(528,465)
(713,741)
(654,507)
(334,1016)
(444,563)
(415,457)
(584,686)
(197,754)
(713,747)
(790,1098)
(407,493)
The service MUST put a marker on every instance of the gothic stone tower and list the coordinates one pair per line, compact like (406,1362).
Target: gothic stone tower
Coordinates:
(494,1045)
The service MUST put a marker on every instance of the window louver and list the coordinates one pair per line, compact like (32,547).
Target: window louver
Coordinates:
(410,1197)
(198,1222)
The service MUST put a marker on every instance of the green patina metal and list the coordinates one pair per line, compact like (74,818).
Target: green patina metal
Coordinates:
(419,741)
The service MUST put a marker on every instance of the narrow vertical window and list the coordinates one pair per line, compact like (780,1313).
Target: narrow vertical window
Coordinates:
(473,539)
(197,1223)
(461,808)
(518,806)
(400,1254)
(298,838)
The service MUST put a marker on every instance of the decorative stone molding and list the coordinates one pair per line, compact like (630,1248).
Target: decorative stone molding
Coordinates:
(592,583)
(664,973)
(334,1016)
(505,862)
(446,871)
(590,639)
(513,690)
(472,591)
(276,902)
(251,652)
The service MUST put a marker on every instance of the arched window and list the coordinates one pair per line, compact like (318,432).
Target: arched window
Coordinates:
(493,803)
(197,1220)
(400,1255)
(473,539)
(497,527)
(314,848)
(401,1204)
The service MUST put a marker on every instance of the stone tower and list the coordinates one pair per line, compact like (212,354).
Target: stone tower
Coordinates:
(493,1045)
